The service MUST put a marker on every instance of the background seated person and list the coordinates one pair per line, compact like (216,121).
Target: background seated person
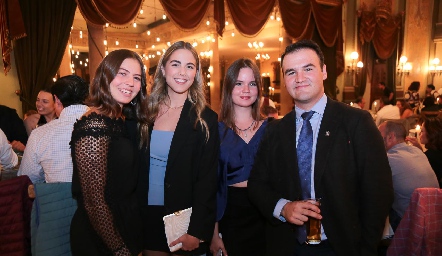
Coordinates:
(47,157)
(409,167)
(405,109)
(386,111)
(359,103)
(8,158)
(45,105)
(13,127)
(429,105)
(269,112)
(431,137)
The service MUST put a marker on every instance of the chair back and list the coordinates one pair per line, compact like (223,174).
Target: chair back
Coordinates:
(420,230)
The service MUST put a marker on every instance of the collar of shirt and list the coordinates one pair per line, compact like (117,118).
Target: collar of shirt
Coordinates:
(319,108)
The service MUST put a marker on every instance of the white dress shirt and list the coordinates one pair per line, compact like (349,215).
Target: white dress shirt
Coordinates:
(8,158)
(387,112)
(47,157)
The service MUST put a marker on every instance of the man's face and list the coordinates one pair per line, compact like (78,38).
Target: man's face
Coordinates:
(362,103)
(381,86)
(304,77)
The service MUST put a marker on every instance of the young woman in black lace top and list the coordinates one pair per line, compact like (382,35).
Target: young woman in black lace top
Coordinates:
(107,221)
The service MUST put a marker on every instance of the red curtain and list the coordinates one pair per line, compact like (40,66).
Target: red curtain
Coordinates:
(117,12)
(186,14)
(250,16)
(382,31)
(11,28)
(301,19)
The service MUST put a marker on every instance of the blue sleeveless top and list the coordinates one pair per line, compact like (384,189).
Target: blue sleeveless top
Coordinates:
(159,153)
(236,158)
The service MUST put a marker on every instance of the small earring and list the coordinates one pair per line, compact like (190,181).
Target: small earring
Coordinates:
(133,103)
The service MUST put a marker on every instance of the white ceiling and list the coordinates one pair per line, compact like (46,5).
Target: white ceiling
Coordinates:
(229,47)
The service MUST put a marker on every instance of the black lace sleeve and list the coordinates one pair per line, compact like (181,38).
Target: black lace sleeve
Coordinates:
(90,140)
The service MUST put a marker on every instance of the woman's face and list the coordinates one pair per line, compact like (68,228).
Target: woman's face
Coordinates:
(180,71)
(423,135)
(45,103)
(399,104)
(127,83)
(245,90)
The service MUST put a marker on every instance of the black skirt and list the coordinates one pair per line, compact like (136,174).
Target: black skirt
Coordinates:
(242,226)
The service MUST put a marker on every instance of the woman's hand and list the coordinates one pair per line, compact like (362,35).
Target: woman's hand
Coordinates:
(190,243)
(217,244)
(414,142)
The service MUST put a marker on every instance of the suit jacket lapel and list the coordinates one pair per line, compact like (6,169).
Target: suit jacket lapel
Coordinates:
(288,140)
(183,130)
(329,128)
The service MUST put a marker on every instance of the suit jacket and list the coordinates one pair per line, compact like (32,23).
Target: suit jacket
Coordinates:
(191,172)
(352,176)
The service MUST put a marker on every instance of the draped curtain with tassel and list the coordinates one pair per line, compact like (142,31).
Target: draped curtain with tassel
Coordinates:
(322,23)
(379,38)
(11,28)
(38,56)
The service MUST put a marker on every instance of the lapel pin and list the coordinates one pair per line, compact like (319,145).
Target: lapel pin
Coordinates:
(327,133)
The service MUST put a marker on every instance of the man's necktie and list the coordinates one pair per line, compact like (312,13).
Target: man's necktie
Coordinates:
(304,152)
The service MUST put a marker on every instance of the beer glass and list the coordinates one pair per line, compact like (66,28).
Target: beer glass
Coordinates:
(313,225)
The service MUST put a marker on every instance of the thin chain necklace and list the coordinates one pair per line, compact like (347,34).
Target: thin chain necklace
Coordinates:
(167,110)
(244,131)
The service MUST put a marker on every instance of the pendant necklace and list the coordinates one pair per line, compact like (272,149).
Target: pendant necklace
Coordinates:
(244,131)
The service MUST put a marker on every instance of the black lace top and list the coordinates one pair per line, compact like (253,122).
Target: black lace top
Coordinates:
(104,182)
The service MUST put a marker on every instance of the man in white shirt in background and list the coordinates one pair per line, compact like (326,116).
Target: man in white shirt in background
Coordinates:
(47,157)
(8,158)
(387,111)
(359,103)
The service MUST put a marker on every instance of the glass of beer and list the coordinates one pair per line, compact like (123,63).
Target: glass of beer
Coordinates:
(313,226)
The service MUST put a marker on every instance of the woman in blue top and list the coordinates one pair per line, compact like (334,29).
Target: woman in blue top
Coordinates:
(240,128)
(179,154)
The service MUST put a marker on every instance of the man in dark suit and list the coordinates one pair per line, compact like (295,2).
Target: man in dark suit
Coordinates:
(348,168)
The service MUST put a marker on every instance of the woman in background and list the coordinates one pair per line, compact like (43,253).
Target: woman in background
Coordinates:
(431,137)
(107,220)
(404,108)
(241,128)
(180,153)
(45,105)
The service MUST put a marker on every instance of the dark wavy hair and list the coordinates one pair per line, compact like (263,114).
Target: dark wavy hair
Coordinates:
(227,114)
(100,95)
(433,128)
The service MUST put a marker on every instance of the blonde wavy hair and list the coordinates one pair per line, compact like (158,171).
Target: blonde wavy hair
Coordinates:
(159,93)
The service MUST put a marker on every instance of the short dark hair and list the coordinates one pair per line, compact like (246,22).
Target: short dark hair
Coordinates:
(385,100)
(431,86)
(359,99)
(70,90)
(304,44)
(414,86)
(428,101)
(395,127)
(382,83)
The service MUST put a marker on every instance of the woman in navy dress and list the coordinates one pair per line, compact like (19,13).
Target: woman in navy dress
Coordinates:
(240,129)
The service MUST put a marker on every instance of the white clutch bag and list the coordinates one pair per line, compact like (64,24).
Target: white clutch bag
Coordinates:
(176,225)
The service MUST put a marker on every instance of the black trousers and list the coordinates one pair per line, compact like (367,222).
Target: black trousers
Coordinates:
(322,249)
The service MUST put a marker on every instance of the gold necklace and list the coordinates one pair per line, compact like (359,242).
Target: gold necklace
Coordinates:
(244,131)
(167,110)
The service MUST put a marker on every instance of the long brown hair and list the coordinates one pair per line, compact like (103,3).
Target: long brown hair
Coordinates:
(99,93)
(159,92)
(227,113)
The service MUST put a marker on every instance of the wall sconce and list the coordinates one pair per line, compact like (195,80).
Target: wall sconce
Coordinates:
(435,68)
(355,67)
(404,67)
